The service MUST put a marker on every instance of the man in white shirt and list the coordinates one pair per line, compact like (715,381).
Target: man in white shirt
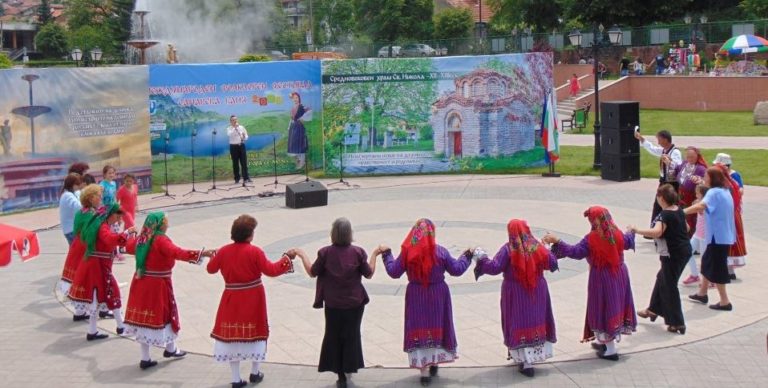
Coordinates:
(669,159)
(237,137)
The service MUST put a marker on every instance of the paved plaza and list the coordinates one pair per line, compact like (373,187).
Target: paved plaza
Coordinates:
(42,346)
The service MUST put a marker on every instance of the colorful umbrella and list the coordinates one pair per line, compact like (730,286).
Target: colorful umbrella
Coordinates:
(744,44)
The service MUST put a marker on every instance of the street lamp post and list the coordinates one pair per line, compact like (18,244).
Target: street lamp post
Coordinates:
(96,56)
(77,55)
(614,36)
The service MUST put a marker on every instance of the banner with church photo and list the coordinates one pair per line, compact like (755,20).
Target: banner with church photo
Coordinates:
(278,104)
(422,115)
(51,118)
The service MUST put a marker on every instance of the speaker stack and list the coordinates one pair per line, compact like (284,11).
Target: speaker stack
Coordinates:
(620,151)
(306,194)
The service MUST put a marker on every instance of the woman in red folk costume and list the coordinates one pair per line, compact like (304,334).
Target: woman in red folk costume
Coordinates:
(90,199)
(737,256)
(152,314)
(94,288)
(241,329)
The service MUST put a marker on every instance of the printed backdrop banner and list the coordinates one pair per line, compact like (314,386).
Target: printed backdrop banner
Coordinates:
(274,101)
(50,118)
(417,115)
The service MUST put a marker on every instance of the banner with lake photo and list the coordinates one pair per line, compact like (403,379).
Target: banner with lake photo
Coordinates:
(50,118)
(274,101)
(422,115)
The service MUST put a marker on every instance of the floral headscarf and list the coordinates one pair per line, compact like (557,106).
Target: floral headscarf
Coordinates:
(90,231)
(527,256)
(151,228)
(419,250)
(606,242)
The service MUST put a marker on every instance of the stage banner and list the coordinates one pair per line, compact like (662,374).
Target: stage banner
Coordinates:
(278,104)
(422,115)
(50,118)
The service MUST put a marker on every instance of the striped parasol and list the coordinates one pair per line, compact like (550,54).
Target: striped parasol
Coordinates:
(744,44)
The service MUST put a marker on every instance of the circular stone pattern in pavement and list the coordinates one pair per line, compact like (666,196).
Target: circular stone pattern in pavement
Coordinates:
(467,213)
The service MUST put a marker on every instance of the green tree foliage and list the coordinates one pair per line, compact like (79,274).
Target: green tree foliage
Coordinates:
(387,21)
(540,15)
(255,58)
(44,15)
(756,8)
(626,12)
(333,20)
(5,62)
(102,23)
(51,40)
(453,23)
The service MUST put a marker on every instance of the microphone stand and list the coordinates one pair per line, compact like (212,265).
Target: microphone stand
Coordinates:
(213,161)
(165,163)
(306,157)
(193,191)
(274,163)
(341,168)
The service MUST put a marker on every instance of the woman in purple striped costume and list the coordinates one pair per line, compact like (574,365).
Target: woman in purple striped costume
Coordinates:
(610,308)
(429,337)
(526,309)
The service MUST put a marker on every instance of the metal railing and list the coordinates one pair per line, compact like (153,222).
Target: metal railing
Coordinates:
(653,35)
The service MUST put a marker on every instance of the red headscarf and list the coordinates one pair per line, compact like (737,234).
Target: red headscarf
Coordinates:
(732,186)
(527,256)
(419,250)
(606,242)
(699,157)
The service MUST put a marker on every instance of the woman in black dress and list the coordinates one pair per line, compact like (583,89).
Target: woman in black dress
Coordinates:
(670,232)
(339,268)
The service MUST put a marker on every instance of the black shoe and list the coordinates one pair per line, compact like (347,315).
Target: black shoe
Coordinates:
(732,276)
(718,306)
(147,364)
(425,381)
(106,315)
(341,383)
(95,336)
(612,357)
(240,384)
(177,354)
(433,371)
(248,180)
(120,330)
(599,347)
(696,253)
(699,298)
(236,182)
(526,371)
(81,317)
(256,378)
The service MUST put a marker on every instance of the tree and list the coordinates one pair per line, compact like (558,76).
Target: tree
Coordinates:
(453,23)
(388,21)
(102,23)
(44,15)
(540,15)
(758,8)
(51,40)
(333,20)
(626,12)
(255,58)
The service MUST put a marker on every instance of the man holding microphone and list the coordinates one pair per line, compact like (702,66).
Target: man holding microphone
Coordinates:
(237,138)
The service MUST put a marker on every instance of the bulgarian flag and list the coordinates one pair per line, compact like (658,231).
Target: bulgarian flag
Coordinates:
(549,129)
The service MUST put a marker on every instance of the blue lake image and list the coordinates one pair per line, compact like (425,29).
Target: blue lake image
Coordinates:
(180,142)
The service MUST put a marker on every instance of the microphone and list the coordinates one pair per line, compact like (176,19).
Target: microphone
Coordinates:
(637,128)
(214,131)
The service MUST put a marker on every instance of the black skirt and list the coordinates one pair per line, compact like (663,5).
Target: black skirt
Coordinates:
(714,263)
(342,350)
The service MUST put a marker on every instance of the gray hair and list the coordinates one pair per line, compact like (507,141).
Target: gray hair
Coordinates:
(341,232)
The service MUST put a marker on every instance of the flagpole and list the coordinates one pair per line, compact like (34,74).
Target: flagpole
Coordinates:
(549,124)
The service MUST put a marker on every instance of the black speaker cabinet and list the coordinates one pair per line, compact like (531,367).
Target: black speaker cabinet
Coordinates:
(618,141)
(620,168)
(306,194)
(620,114)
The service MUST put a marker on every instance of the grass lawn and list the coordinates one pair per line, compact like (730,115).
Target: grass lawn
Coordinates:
(694,123)
(578,161)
